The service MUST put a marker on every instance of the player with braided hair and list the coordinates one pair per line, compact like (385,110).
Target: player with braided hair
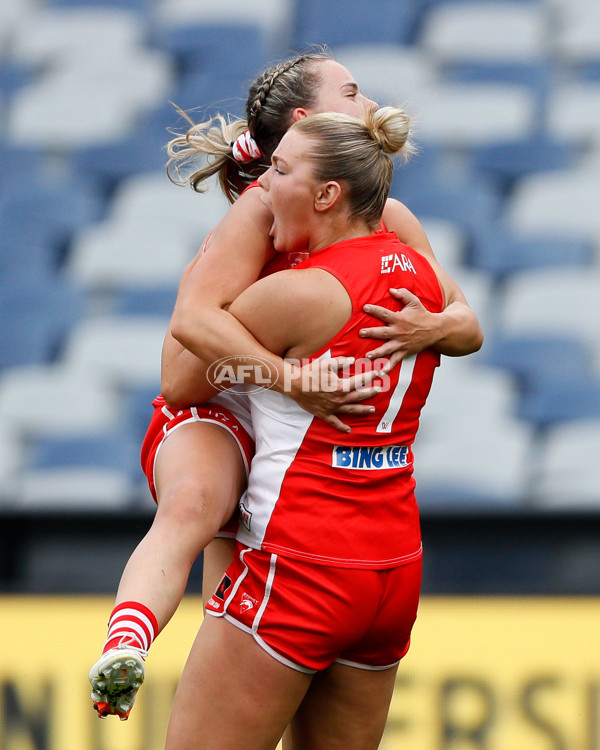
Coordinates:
(312,617)
(199,443)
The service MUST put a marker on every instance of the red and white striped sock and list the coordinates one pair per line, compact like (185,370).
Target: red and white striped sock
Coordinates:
(131,624)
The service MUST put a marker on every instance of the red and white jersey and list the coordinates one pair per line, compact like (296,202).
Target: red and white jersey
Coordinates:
(340,499)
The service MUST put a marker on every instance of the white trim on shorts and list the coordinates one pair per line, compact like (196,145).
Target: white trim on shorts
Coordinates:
(367,667)
(196,418)
(253,631)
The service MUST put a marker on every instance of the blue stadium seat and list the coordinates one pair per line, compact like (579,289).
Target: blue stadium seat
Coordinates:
(111,451)
(429,188)
(142,151)
(533,359)
(589,71)
(79,472)
(500,252)
(20,164)
(561,398)
(535,75)
(211,92)
(142,6)
(507,162)
(37,315)
(157,300)
(338,22)
(13,76)
(51,209)
(234,48)
(138,409)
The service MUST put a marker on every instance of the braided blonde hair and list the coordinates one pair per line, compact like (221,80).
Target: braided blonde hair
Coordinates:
(273,96)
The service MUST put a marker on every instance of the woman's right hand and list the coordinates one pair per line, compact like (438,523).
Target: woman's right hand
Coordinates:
(325,388)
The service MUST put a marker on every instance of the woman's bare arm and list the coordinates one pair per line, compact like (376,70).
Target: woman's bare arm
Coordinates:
(238,249)
(202,331)
(453,332)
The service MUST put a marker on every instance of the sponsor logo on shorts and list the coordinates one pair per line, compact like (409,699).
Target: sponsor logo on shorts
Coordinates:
(255,372)
(247,602)
(223,587)
(370,457)
(217,600)
(245,517)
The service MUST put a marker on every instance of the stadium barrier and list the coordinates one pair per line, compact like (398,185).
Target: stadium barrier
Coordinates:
(482,673)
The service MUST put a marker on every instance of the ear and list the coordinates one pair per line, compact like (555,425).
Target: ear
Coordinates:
(327,196)
(299,114)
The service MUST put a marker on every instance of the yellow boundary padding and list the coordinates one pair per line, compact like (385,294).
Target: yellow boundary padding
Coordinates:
(492,673)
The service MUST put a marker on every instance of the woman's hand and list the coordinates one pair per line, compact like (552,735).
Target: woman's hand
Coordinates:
(321,389)
(407,331)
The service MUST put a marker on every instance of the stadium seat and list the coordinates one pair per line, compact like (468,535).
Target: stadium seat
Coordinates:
(51,209)
(475,470)
(74,489)
(574,112)
(562,202)
(560,399)
(569,470)
(138,409)
(391,74)
(463,115)
(478,289)
(577,41)
(274,18)
(154,300)
(470,440)
(117,255)
(43,400)
(492,31)
(206,93)
(500,252)
(534,358)
(141,151)
(15,16)
(448,241)
(176,206)
(142,7)
(435,190)
(82,472)
(12,78)
(508,162)
(72,117)
(11,463)
(121,350)
(153,230)
(113,450)
(20,165)
(37,315)
(234,48)
(355,21)
(552,301)
(80,92)
(52,34)
(83,104)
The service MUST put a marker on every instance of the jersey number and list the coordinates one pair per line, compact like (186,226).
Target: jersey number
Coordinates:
(407,367)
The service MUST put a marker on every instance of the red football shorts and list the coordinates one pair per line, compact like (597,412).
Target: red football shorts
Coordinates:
(308,616)
(164,421)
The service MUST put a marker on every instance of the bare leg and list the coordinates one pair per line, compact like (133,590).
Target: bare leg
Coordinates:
(232,694)
(344,709)
(199,478)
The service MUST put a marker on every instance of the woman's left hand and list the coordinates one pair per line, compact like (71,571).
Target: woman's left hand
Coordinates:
(407,331)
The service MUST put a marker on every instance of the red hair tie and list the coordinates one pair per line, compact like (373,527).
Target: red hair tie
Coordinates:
(245,148)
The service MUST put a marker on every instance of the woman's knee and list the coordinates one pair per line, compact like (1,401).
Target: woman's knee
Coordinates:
(190,504)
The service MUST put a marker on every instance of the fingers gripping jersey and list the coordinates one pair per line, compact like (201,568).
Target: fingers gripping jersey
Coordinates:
(346,499)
